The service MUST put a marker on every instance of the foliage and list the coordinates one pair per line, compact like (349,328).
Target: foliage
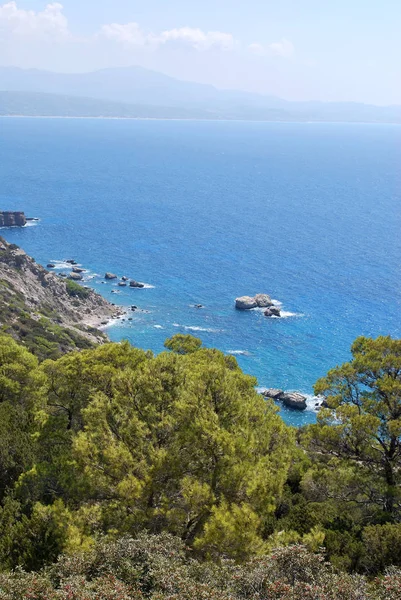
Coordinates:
(161,568)
(362,424)
(183,344)
(169,476)
(75,290)
(36,332)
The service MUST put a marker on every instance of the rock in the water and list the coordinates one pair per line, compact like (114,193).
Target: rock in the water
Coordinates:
(70,261)
(50,266)
(293,400)
(272,393)
(272,311)
(263,300)
(12,219)
(78,270)
(124,278)
(136,284)
(245,303)
(110,276)
(75,276)
(199,306)
(122,284)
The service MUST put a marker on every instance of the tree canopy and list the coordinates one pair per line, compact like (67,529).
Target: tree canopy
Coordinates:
(113,441)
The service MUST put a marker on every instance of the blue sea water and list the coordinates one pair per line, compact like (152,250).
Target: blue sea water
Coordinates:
(207,211)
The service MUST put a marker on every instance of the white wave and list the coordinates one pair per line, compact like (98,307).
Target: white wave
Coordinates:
(158,327)
(148,286)
(62,264)
(312,401)
(31,223)
(277,302)
(196,328)
(285,314)
(239,352)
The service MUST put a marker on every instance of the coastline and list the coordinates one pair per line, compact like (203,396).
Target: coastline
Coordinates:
(205,120)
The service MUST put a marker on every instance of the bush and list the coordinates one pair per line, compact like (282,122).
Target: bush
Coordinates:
(76,291)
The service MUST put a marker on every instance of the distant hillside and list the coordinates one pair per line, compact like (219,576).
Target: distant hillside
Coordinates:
(38,104)
(135,92)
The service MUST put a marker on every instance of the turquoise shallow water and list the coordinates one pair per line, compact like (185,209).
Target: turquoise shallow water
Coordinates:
(204,212)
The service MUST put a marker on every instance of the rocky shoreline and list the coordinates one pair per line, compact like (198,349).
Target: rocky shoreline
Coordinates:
(293,400)
(46,295)
(85,312)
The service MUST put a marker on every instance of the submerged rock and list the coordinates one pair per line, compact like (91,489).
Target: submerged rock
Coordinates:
(122,284)
(70,261)
(245,303)
(50,266)
(124,278)
(110,276)
(272,311)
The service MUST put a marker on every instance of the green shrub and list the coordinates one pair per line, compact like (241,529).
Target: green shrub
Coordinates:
(76,290)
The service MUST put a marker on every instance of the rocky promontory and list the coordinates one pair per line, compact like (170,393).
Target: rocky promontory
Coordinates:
(293,400)
(37,304)
(12,219)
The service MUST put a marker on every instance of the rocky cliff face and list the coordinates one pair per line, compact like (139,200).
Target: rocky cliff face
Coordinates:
(39,309)
(12,219)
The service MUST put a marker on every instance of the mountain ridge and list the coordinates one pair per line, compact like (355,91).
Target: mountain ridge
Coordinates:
(177,99)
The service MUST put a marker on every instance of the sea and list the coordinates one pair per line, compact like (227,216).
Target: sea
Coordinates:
(203,212)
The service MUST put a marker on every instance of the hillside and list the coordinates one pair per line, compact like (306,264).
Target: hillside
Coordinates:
(135,92)
(37,104)
(47,314)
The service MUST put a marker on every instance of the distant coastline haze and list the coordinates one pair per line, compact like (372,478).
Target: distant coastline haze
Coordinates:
(299,51)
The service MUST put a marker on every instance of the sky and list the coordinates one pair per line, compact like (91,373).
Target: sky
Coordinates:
(329,50)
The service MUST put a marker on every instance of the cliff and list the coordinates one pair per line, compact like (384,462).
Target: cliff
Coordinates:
(45,312)
(12,219)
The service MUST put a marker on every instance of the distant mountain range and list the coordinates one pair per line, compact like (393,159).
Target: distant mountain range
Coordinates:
(135,92)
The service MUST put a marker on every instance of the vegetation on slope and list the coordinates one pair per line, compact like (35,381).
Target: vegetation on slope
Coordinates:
(125,475)
(113,442)
(41,311)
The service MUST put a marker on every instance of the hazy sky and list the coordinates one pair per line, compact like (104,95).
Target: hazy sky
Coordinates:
(297,49)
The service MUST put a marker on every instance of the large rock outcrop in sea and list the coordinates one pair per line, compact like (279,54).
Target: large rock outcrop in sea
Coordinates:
(110,276)
(272,393)
(258,301)
(293,400)
(12,219)
(245,303)
(75,276)
(272,311)
(263,300)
